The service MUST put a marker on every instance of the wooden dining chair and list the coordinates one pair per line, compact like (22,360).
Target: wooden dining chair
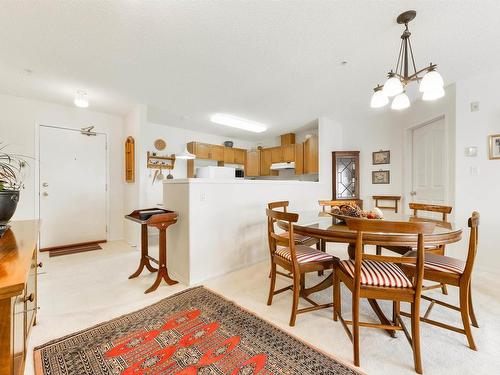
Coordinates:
(299,239)
(446,270)
(324,204)
(444,210)
(298,260)
(379,277)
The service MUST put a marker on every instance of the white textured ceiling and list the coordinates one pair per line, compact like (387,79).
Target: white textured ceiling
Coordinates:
(276,62)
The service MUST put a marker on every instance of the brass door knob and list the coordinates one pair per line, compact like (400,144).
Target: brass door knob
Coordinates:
(29,298)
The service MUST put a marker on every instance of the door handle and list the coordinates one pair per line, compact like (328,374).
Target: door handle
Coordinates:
(45,184)
(413,193)
(45,194)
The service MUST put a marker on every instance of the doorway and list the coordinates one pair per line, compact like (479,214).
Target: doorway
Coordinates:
(72,187)
(429,164)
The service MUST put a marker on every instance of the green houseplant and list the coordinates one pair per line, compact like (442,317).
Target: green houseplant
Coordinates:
(11,182)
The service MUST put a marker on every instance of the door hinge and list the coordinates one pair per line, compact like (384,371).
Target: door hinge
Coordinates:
(106,229)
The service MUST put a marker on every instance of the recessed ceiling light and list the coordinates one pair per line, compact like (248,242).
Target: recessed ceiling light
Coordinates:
(81,99)
(238,122)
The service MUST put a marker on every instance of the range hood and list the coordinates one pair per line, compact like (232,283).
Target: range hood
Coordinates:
(279,166)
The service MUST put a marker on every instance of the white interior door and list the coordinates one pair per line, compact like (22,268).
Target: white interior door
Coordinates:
(72,187)
(429,171)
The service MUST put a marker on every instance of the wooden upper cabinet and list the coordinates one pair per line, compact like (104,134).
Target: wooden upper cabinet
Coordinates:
(288,139)
(299,158)
(252,165)
(311,155)
(239,156)
(201,150)
(228,155)
(216,152)
(276,154)
(288,153)
(265,162)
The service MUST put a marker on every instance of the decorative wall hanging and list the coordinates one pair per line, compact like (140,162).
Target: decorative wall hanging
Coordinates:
(494,146)
(381,177)
(130,159)
(381,157)
(160,144)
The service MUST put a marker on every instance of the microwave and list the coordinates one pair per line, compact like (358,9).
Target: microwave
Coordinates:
(239,173)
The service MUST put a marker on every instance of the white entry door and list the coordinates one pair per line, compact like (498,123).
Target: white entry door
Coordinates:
(72,187)
(429,161)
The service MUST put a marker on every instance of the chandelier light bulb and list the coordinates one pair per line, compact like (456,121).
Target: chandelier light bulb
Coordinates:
(392,86)
(81,99)
(433,94)
(400,102)
(379,99)
(431,81)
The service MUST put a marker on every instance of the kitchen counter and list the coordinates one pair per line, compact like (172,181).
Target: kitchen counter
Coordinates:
(222,223)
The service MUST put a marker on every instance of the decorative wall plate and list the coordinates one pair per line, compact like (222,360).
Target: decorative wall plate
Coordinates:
(160,144)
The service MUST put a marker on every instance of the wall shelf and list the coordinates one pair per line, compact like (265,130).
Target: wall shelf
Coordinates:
(160,162)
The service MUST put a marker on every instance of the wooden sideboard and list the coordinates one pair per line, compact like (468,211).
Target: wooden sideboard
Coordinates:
(18,293)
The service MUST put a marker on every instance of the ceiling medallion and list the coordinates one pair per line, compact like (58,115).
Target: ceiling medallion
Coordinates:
(431,83)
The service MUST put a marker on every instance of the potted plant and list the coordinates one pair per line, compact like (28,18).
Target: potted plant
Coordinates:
(11,182)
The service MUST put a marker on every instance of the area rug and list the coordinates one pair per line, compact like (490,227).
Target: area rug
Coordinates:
(193,332)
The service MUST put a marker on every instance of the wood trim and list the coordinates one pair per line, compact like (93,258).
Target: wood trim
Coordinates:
(72,245)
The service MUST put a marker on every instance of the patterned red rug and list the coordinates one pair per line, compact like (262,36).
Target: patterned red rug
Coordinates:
(193,332)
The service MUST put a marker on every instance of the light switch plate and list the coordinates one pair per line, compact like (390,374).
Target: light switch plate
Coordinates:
(471,151)
(474,106)
(474,170)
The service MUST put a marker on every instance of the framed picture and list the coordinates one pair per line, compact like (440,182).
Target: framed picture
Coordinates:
(381,177)
(494,146)
(381,157)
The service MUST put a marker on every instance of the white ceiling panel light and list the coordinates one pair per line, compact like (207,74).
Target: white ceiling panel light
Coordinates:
(238,122)
(81,99)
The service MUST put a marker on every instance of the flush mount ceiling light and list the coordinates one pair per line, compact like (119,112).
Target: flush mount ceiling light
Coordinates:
(81,99)
(431,84)
(238,122)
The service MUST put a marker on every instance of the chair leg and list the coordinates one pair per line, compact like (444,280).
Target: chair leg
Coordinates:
(471,308)
(444,289)
(336,297)
(464,311)
(272,284)
(378,250)
(395,312)
(415,336)
(302,281)
(320,246)
(355,328)
(296,294)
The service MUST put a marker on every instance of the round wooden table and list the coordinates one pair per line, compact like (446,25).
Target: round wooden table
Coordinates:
(329,229)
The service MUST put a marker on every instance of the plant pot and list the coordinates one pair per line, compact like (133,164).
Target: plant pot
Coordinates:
(8,204)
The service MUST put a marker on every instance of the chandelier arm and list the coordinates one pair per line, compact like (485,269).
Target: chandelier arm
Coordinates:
(399,56)
(412,58)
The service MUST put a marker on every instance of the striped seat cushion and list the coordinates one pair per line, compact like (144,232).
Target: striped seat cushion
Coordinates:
(378,273)
(440,263)
(304,254)
(299,239)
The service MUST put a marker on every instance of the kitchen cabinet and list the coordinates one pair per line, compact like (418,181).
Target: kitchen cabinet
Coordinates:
(276,154)
(311,155)
(206,151)
(216,152)
(288,153)
(299,158)
(239,156)
(252,166)
(265,161)
(228,155)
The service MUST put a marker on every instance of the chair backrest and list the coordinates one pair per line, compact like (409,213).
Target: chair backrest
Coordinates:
(279,204)
(445,210)
(275,239)
(329,203)
(362,226)
(473,224)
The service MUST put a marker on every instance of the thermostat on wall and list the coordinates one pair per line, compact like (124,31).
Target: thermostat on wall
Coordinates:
(471,151)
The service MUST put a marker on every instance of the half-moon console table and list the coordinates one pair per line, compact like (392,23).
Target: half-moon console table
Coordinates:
(160,219)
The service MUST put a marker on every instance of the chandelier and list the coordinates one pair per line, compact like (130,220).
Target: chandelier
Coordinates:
(431,82)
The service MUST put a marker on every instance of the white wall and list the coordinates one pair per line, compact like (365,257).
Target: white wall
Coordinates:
(18,120)
(481,192)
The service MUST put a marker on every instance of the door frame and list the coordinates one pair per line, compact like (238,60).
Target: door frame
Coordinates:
(37,189)
(408,159)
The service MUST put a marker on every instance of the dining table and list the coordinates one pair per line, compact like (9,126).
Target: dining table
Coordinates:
(330,228)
